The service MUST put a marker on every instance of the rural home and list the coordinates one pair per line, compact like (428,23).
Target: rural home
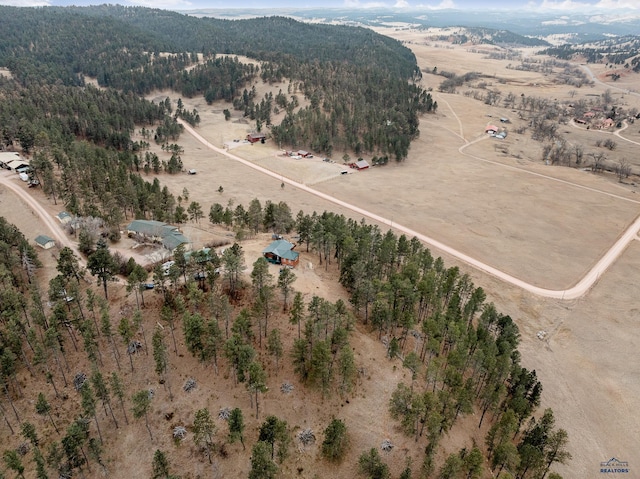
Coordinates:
(491,129)
(17,165)
(281,252)
(45,242)
(255,137)
(158,232)
(303,154)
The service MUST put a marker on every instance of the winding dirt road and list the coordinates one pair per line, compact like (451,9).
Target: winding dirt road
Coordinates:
(578,290)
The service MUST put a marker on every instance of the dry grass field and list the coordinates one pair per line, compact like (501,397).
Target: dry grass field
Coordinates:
(493,200)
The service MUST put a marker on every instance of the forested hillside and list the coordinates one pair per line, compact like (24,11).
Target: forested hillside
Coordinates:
(460,353)
(343,70)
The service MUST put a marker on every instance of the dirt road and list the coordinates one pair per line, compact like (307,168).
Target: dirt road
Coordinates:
(12,182)
(578,290)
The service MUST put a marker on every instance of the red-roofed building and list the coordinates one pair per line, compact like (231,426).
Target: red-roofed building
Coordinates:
(255,137)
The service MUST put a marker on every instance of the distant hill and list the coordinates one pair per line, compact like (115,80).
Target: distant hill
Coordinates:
(491,36)
(623,51)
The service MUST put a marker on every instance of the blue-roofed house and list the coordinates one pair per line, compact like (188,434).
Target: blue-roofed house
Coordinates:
(158,232)
(281,252)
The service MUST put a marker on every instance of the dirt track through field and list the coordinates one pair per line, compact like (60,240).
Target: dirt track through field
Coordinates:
(10,182)
(578,290)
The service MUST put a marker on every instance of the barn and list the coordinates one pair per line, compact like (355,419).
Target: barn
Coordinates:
(256,137)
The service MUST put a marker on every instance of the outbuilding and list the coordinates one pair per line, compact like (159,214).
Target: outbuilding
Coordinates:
(362,165)
(64,217)
(45,242)
(255,137)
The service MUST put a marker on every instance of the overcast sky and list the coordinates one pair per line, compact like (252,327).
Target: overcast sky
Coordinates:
(583,6)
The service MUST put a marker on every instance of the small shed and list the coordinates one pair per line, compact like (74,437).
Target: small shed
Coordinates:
(64,217)
(362,165)
(281,252)
(255,137)
(45,242)
(491,129)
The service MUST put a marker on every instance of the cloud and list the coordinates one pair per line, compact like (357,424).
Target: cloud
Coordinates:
(402,4)
(563,5)
(618,4)
(443,5)
(25,3)
(358,4)
(573,5)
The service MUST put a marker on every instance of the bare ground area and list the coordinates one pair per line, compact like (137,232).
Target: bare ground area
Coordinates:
(544,224)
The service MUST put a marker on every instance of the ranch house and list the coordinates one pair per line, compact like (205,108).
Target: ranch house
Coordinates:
(281,252)
(158,232)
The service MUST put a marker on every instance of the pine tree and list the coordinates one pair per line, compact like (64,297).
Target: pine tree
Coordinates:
(89,405)
(44,409)
(370,463)
(102,393)
(118,391)
(13,462)
(160,465)
(141,406)
(262,467)
(256,382)
(102,265)
(236,426)
(274,345)
(204,430)
(296,315)
(335,441)
(126,333)
(161,358)
(30,434)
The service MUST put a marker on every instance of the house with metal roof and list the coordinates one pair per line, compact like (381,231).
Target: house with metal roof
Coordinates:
(7,157)
(158,232)
(281,252)
(45,242)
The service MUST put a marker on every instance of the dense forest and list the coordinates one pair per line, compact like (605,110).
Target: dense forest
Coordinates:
(361,84)
(460,351)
